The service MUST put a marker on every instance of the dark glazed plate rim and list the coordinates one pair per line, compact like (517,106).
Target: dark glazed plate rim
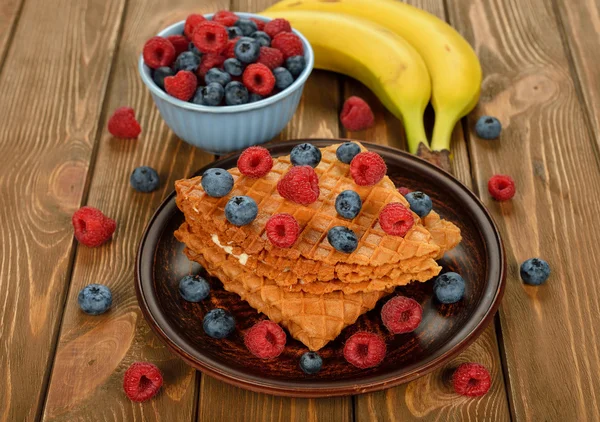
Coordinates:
(467,334)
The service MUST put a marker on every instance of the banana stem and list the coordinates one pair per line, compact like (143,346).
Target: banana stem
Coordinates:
(442,131)
(415,132)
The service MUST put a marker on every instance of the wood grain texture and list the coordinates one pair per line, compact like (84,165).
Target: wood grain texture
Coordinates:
(51,101)
(94,352)
(9,14)
(549,342)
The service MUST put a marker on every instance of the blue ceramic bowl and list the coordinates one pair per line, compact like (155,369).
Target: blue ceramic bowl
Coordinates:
(224,129)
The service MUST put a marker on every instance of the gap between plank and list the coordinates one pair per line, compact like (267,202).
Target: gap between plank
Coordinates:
(11,34)
(504,365)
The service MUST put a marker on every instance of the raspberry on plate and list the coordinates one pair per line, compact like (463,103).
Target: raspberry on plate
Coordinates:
(210,37)
(225,18)
(92,227)
(259,79)
(276,26)
(265,340)
(501,187)
(356,114)
(282,230)
(401,315)
(270,57)
(364,350)
(367,168)
(142,381)
(395,219)
(122,123)
(182,85)
(191,23)
(300,184)
(471,379)
(289,44)
(158,52)
(179,42)
(255,162)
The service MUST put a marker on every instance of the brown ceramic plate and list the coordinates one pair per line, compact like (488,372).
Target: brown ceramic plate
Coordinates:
(444,332)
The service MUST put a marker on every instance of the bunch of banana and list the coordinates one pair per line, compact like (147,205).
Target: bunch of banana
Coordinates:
(404,54)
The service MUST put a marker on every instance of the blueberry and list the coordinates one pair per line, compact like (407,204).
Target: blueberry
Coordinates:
(488,127)
(233,66)
(217,182)
(420,203)
(186,61)
(535,271)
(241,210)
(283,77)
(212,94)
(234,32)
(160,74)
(449,288)
(194,49)
(218,323)
(347,151)
(247,26)
(94,299)
(217,75)
(254,98)
(348,204)
(198,97)
(193,288)
(236,93)
(295,65)
(342,238)
(247,50)
(311,362)
(263,39)
(144,179)
(305,155)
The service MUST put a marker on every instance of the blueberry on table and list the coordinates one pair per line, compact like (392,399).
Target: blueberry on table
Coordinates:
(217,75)
(144,179)
(236,93)
(347,151)
(348,204)
(342,239)
(535,271)
(218,323)
(241,210)
(488,127)
(449,288)
(295,65)
(305,155)
(247,50)
(212,94)
(311,362)
(420,203)
(159,75)
(217,182)
(283,77)
(263,39)
(95,299)
(194,288)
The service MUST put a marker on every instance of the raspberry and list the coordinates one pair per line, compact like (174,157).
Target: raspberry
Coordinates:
(356,114)
(158,52)
(501,187)
(396,219)
(404,190)
(229,50)
(255,162)
(289,44)
(270,57)
(182,86)
(300,184)
(364,350)
(259,24)
(259,79)
(367,168)
(225,18)
(179,42)
(471,379)
(282,230)
(265,340)
(276,26)
(401,315)
(122,123)
(92,227)
(210,37)
(142,381)
(208,62)
(191,23)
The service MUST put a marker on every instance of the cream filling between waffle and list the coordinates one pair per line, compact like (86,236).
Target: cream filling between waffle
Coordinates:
(243,258)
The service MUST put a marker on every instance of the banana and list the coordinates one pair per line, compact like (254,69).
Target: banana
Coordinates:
(454,68)
(379,58)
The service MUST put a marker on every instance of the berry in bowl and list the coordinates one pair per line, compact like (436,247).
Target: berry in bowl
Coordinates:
(226,81)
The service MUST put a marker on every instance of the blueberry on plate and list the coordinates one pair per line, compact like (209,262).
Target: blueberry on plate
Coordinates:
(449,288)
(420,203)
(488,127)
(348,204)
(342,239)
(159,75)
(217,182)
(233,66)
(283,77)
(218,323)
(247,50)
(212,94)
(94,299)
(241,210)
(234,32)
(311,362)
(295,65)
(246,26)
(194,288)
(305,155)
(535,271)
(263,39)
(186,61)
(144,179)
(347,151)
(236,93)
(216,75)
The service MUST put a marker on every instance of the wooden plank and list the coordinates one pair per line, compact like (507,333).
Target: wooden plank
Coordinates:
(9,14)
(548,340)
(51,101)
(94,352)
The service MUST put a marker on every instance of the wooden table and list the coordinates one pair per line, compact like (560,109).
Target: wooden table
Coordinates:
(65,65)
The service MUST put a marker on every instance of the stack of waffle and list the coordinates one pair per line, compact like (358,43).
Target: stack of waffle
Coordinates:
(311,289)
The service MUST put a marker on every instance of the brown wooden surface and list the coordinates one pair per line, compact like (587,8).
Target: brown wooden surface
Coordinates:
(57,60)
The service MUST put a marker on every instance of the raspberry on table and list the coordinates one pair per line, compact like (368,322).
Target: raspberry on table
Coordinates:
(259,24)
(300,184)
(92,227)
(501,187)
(218,323)
(283,78)
(276,26)
(179,42)
(367,168)
(488,127)
(270,57)
(348,204)
(282,230)
(241,210)
(395,219)
(122,123)
(217,182)
(255,162)
(158,52)
(144,179)
(193,288)
(182,85)
(471,379)
(289,44)
(347,151)
(142,381)
(210,37)
(209,61)
(342,239)
(191,22)
(259,79)
(420,203)
(94,299)
(305,154)
(401,315)
(449,288)
(365,350)
(404,190)
(534,271)
(225,18)
(247,26)
(265,340)
(356,114)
